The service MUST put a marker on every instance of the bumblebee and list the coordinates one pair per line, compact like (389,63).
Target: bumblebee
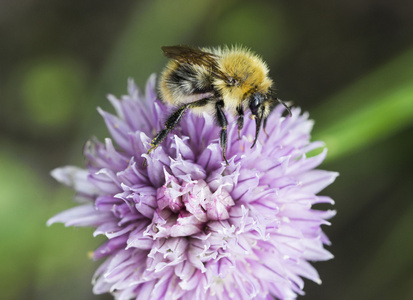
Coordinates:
(215,80)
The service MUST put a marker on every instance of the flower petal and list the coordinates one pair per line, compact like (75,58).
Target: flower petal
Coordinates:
(185,225)
(84,215)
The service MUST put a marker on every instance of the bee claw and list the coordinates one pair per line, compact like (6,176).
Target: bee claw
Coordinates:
(145,161)
(225,159)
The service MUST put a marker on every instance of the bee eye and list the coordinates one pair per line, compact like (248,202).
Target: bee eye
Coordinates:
(256,100)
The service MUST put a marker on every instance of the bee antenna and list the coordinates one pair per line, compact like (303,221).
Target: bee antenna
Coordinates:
(285,105)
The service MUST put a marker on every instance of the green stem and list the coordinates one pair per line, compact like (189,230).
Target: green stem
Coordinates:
(374,108)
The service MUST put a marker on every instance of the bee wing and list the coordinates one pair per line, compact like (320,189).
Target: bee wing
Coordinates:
(189,55)
(195,56)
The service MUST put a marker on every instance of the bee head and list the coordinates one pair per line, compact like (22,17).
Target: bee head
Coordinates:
(256,101)
(261,106)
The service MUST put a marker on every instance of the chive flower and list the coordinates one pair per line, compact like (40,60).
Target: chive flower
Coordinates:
(188,226)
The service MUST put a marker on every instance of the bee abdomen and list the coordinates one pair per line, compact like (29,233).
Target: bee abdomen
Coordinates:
(185,80)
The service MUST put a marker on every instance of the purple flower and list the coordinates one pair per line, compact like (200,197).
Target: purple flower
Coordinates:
(186,226)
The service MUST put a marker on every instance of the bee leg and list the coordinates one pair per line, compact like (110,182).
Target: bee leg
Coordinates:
(159,137)
(172,121)
(258,122)
(272,104)
(265,125)
(222,122)
(240,120)
(170,124)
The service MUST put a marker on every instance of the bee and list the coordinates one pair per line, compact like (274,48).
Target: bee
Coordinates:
(216,80)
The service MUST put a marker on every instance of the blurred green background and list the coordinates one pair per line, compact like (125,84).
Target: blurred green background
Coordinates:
(349,63)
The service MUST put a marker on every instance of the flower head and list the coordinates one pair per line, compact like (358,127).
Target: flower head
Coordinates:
(186,226)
